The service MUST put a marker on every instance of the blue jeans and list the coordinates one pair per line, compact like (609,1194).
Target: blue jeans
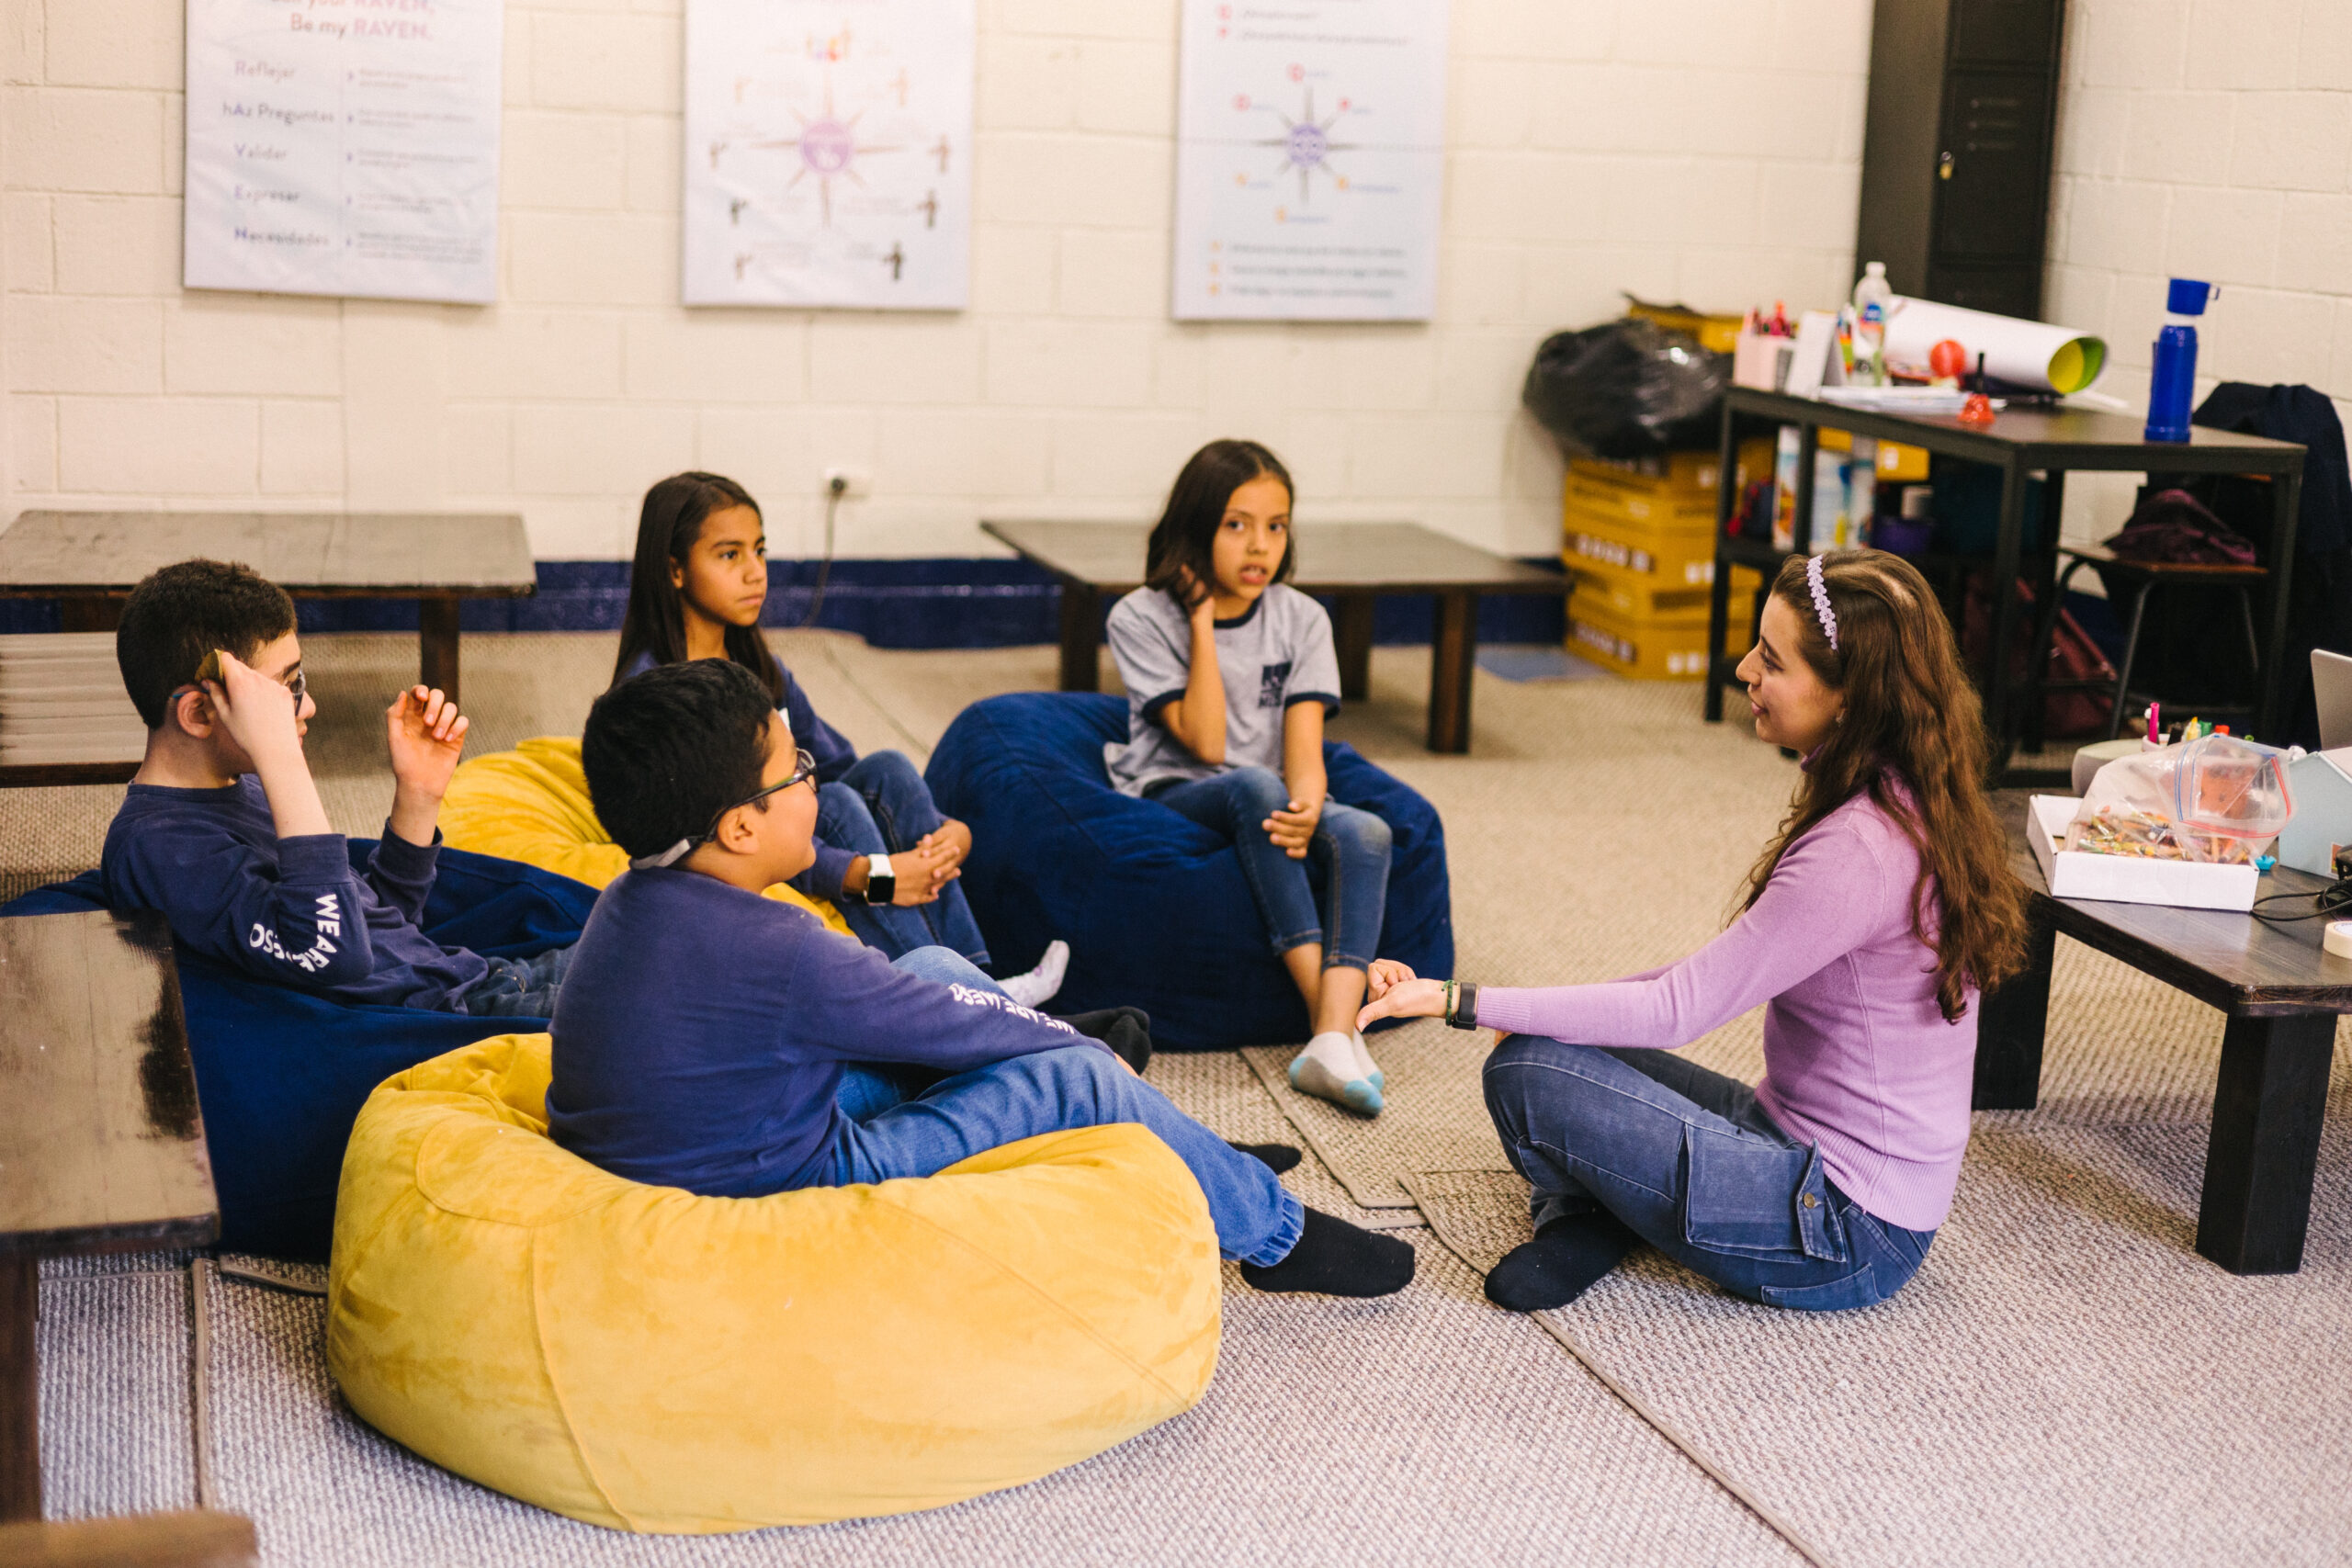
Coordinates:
(1690,1161)
(882,806)
(901,1127)
(520,987)
(1347,861)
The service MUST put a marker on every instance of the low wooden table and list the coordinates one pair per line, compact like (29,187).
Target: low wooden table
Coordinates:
(2279,994)
(101,1141)
(1353,562)
(91,561)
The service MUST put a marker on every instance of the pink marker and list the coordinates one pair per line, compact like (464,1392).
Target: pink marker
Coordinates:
(2155,735)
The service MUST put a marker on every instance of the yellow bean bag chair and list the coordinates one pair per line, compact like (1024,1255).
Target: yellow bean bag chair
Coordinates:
(643,1359)
(531,804)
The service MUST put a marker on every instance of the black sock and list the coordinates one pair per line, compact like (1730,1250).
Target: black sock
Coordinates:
(1276,1158)
(1126,1031)
(1336,1258)
(1567,1258)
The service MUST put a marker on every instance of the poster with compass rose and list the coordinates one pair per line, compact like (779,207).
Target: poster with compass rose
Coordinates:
(829,152)
(1310,160)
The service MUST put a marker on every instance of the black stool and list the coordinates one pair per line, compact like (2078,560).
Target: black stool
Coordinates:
(2134,580)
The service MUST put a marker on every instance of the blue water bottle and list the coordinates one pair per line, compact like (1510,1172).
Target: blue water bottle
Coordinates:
(2175,369)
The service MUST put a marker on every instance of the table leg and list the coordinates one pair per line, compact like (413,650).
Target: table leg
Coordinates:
(1082,636)
(1800,517)
(1453,653)
(1351,637)
(436,644)
(2265,1144)
(1719,595)
(2012,1021)
(89,613)
(2046,606)
(2287,504)
(19,1387)
(2006,547)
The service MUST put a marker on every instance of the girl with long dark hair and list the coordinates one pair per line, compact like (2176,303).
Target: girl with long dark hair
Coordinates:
(1870,925)
(1230,673)
(885,857)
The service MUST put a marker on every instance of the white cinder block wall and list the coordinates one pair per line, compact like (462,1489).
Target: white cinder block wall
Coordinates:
(1705,150)
(2207,138)
(1698,149)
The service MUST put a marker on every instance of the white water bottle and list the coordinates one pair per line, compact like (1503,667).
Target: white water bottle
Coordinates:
(1873,298)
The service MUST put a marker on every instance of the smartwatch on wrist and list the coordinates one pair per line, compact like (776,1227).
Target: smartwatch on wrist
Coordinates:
(1463,1013)
(881,882)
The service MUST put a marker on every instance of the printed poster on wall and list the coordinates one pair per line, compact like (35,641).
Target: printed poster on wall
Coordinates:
(829,152)
(1310,160)
(345,147)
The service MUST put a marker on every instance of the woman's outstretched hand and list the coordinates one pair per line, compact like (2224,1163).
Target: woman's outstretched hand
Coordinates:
(1396,993)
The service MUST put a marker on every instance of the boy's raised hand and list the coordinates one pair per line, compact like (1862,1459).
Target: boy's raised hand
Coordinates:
(426,736)
(260,715)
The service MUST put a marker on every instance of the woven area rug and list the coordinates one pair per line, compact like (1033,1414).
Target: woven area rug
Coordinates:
(1418,1429)
(1434,1118)
(2064,1381)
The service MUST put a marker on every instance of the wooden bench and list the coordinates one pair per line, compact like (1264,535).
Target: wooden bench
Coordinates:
(1353,562)
(89,561)
(101,1140)
(196,1539)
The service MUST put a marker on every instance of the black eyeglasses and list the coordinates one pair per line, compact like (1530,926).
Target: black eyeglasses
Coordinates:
(299,683)
(804,770)
(804,767)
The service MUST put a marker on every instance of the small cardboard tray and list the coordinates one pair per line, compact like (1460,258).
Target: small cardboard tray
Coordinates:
(2126,879)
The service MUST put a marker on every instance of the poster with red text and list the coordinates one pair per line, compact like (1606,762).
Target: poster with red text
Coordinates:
(345,147)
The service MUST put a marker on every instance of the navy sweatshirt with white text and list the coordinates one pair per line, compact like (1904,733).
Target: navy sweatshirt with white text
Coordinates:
(701,1035)
(289,910)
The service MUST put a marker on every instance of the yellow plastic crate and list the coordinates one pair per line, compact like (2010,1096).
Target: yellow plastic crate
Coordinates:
(1691,472)
(1649,597)
(1659,509)
(1646,650)
(1597,542)
(1898,464)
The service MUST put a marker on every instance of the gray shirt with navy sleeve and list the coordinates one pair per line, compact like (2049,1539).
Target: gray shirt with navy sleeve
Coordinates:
(1275,653)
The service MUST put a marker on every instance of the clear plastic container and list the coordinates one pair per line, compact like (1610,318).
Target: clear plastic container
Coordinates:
(2228,791)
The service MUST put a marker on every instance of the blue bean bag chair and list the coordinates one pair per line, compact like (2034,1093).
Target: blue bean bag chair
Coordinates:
(281,1075)
(1152,904)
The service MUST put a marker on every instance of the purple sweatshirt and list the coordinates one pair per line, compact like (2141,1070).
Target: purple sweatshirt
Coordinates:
(1856,1057)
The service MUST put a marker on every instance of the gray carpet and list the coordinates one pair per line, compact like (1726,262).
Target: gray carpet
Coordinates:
(1423,1428)
(2066,1383)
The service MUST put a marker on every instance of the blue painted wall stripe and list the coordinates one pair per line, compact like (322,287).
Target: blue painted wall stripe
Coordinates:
(937,602)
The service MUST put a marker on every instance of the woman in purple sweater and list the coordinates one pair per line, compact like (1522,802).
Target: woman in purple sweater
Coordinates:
(1870,924)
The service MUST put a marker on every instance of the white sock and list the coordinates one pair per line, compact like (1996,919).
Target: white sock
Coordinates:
(1036,987)
(1336,1051)
(1365,1065)
(1327,1069)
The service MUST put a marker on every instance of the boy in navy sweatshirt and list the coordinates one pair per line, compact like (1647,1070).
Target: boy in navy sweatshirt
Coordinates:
(703,1038)
(223,832)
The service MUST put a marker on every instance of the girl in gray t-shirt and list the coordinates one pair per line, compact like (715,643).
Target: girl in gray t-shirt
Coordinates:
(1230,674)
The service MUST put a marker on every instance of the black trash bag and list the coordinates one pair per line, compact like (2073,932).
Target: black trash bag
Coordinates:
(1627,389)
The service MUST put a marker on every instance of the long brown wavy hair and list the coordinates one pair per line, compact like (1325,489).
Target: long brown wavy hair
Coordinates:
(1913,735)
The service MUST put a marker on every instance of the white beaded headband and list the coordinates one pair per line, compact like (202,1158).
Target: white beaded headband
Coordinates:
(1821,609)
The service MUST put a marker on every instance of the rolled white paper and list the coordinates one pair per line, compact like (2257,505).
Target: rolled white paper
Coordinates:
(2025,354)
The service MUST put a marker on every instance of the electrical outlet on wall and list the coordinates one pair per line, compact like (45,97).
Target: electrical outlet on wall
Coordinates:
(850,484)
